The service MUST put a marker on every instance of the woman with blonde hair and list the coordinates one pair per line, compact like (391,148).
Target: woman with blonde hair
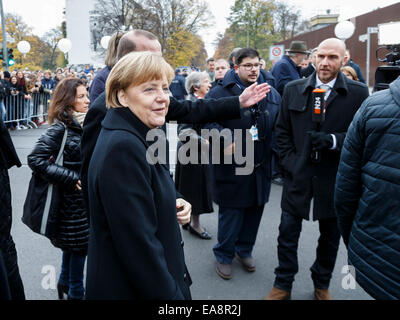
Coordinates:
(98,84)
(135,249)
(350,73)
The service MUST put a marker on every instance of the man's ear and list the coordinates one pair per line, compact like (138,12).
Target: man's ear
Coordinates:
(122,98)
(236,67)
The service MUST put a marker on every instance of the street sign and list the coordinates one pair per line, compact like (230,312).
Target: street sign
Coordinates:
(276,52)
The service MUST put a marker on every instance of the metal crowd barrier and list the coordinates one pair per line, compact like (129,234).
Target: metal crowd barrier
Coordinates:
(15,109)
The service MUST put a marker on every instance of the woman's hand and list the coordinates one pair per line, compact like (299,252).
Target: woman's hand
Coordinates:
(184,210)
(78,185)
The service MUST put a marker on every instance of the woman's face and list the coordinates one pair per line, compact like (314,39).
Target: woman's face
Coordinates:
(20,75)
(14,80)
(81,100)
(204,88)
(149,101)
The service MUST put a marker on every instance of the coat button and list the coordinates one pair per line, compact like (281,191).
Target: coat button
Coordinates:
(185,276)
(182,244)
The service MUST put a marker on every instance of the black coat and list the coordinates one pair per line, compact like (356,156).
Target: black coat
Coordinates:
(304,179)
(183,111)
(367,194)
(135,249)
(99,83)
(8,159)
(193,181)
(72,226)
(241,191)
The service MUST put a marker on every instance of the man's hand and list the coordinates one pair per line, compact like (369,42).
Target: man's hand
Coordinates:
(254,94)
(184,209)
(320,140)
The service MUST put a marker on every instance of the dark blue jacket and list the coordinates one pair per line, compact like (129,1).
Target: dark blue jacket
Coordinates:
(48,83)
(284,71)
(177,87)
(241,191)
(367,194)
(99,84)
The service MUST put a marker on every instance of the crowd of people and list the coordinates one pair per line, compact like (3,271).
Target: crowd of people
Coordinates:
(122,212)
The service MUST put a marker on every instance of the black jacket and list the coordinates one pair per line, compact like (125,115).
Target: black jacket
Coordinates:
(304,179)
(193,181)
(241,191)
(367,194)
(306,72)
(73,225)
(135,249)
(8,159)
(183,111)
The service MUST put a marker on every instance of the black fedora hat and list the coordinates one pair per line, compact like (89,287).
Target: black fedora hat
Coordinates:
(298,47)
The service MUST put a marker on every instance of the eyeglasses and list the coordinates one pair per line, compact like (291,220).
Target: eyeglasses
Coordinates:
(249,66)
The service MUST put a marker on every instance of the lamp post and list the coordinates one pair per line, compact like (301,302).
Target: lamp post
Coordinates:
(3,28)
(344,30)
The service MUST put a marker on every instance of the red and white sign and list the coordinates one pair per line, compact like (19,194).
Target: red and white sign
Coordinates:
(276,52)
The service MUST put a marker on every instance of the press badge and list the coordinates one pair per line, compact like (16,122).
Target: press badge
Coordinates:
(254,133)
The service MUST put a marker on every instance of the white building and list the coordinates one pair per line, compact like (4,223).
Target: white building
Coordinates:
(79,32)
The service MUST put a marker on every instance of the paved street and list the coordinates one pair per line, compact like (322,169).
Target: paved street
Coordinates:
(35,252)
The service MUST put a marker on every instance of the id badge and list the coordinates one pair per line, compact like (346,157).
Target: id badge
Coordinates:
(254,133)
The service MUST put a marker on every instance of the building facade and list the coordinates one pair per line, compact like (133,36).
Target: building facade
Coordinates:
(358,49)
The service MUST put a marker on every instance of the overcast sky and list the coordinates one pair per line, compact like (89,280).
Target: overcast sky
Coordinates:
(43,15)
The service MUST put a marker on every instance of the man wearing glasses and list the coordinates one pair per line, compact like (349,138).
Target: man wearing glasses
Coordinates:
(241,198)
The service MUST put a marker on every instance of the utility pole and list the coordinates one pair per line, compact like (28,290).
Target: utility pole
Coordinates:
(3,28)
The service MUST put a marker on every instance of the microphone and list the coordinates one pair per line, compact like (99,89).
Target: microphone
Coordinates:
(319,105)
(318,116)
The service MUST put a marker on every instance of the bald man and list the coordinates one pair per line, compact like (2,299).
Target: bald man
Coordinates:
(298,140)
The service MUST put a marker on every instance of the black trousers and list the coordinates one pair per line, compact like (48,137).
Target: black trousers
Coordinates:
(13,287)
(328,244)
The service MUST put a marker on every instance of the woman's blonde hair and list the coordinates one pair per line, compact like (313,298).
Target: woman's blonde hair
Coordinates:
(351,70)
(134,69)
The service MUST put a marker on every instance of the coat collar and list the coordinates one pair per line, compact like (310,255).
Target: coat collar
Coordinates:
(339,87)
(124,119)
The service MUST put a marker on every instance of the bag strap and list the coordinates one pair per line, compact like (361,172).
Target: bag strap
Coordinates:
(59,161)
(60,156)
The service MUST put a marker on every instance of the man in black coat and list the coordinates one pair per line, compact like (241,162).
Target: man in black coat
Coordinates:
(201,111)
(297,138)
(12,288)
(241,197)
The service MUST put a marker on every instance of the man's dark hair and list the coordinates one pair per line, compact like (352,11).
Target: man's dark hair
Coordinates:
(126,45)
(209,60)
(246,53)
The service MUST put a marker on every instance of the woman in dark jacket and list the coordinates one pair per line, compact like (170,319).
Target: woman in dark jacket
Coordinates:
(66,112)
(193,180)
(11,286)
(135,249)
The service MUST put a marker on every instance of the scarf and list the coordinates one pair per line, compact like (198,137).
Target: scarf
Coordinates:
(79,116)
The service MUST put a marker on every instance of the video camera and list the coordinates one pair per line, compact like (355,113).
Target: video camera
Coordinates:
(389,39)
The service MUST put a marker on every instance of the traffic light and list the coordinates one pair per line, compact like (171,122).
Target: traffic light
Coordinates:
(1,54)
(10,54)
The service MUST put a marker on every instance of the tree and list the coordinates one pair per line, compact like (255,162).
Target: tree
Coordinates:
(51,38)
(18,30)
(174,22)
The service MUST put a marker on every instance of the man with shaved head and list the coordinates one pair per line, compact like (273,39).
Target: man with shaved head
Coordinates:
(306,177)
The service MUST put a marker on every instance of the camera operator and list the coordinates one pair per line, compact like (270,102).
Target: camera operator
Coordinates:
(297,138)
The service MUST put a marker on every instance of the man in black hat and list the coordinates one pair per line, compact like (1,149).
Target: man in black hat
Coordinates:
(288,68)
